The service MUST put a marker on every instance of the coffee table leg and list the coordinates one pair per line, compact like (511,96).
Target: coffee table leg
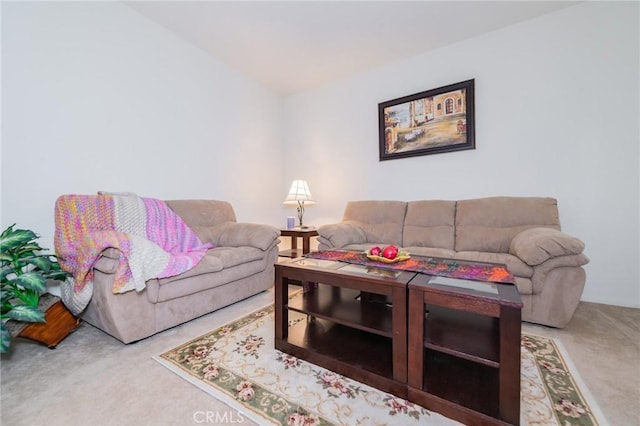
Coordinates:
(415,356)
(510,329)
(399,334)
(281,308)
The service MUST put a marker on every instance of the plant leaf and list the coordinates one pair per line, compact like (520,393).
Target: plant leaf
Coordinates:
(32,281)
(58,275)
(30,246)
(7,231)
(7,294)
(42,262)
(5,339)
(4,272)
(16,238)
(26,314)
(29,297)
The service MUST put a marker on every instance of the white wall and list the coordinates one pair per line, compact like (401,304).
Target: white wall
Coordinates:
(556,115)
(97,97)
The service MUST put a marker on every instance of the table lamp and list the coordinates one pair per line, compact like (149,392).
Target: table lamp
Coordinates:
(299,194)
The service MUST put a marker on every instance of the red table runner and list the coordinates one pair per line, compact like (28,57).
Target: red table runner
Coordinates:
(428,265)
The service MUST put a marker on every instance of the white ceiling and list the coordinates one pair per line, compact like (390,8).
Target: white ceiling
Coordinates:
(291,46)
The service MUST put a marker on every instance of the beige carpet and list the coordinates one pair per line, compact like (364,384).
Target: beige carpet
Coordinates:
(237,363)
(93,379)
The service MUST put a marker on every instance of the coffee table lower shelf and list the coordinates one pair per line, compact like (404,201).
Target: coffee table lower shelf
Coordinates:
(446,375)
(340,348)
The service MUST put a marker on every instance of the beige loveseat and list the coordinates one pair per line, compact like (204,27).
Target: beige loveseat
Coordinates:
(521,232)
(240,265)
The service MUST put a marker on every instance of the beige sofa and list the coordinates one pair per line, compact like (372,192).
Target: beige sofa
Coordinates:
(240,265)
(521,232)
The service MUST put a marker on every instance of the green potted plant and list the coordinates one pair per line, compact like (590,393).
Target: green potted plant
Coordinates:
(24,271)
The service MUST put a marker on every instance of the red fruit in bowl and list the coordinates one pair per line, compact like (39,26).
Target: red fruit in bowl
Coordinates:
(375,251)
(390,252)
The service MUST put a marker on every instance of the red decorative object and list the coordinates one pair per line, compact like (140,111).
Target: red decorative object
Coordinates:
(390,252)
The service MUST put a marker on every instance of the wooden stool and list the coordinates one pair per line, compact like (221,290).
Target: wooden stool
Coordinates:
(60,322)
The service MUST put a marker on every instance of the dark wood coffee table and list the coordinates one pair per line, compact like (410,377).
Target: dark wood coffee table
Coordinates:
(356,320)
(458,354)
(464,349)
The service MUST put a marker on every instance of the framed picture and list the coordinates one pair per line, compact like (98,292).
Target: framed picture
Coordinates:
(431,122)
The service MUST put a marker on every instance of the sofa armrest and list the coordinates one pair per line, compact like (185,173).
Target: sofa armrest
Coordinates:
(108,260)
(232,234)
(537,245)
(342,234)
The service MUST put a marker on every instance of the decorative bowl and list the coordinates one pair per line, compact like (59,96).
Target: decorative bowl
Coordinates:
(385,260)
(401,257)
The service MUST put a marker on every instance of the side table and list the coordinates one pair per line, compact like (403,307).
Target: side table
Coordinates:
(295,233)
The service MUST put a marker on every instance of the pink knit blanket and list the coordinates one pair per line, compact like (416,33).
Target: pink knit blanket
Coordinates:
(154,242)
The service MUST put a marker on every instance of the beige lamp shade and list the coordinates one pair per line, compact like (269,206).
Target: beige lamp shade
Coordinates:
(299,191)
(299,194)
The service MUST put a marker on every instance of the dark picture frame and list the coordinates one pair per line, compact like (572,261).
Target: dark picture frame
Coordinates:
(430,122)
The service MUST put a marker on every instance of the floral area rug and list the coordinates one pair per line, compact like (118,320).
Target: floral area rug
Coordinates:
(238,364)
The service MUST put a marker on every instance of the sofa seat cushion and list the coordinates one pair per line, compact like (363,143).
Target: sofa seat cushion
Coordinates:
(220,266)
(232,256)
(520,270)
(516,266)
(182,287)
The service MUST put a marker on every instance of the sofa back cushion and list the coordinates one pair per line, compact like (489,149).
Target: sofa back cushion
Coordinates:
(489,224)
(381,221)
(430,223)
(202,215)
